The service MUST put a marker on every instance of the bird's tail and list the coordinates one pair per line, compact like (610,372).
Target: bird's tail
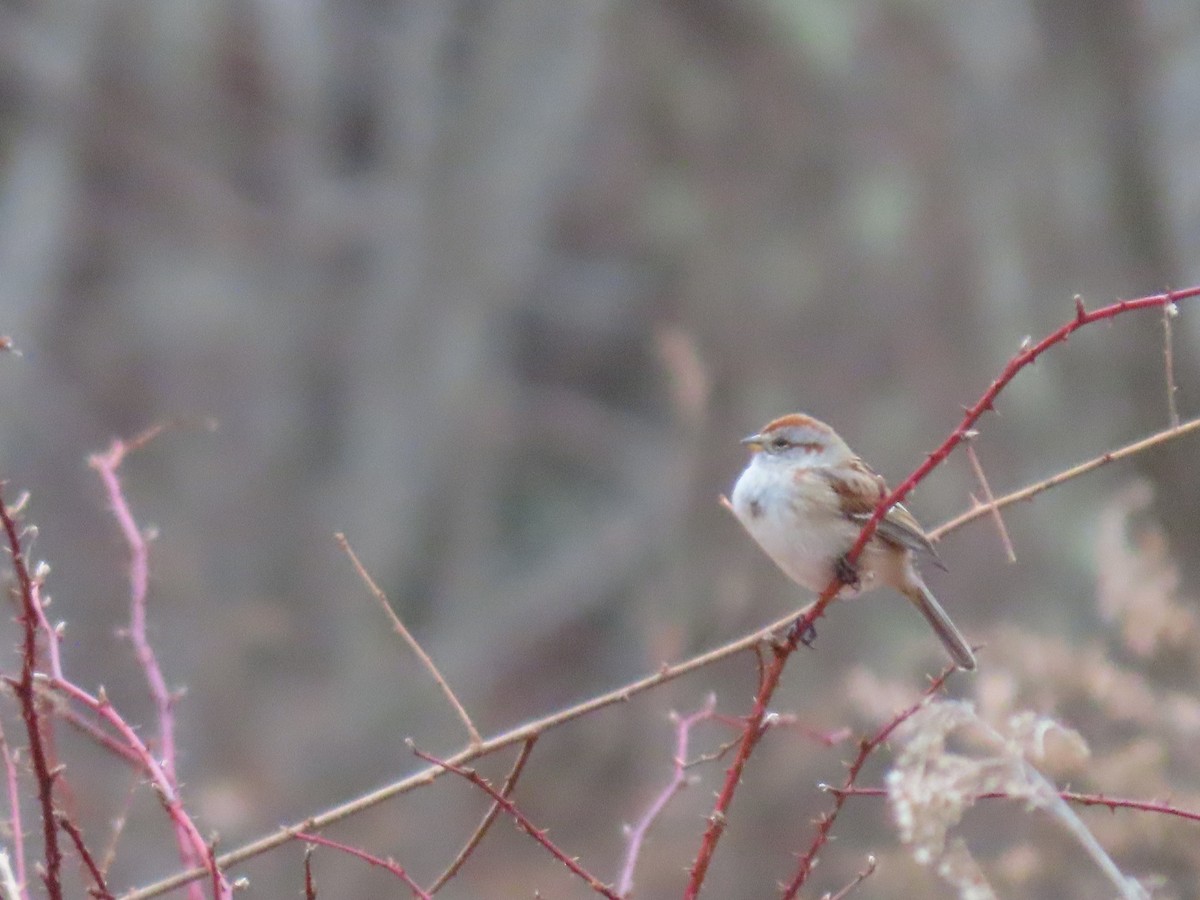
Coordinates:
(956,645)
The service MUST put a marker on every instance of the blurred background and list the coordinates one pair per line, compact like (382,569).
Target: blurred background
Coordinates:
(495,288)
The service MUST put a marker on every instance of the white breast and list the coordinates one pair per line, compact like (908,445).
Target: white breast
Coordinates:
(801,536)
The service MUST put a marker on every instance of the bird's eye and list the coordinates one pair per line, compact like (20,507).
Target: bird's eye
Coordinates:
(779,442)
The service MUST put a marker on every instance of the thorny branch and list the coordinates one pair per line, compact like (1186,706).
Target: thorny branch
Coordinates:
(489,817)
(523,823)
(27,698)
(388,864)
(865,749)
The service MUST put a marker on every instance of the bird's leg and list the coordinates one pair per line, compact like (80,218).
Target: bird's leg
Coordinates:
(804,631)
(846,572)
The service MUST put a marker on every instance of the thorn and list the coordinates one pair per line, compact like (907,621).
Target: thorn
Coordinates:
(1080,311)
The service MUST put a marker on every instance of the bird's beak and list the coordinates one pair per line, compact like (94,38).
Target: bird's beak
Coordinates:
(753,441)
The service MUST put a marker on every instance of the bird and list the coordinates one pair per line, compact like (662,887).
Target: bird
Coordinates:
(804,496)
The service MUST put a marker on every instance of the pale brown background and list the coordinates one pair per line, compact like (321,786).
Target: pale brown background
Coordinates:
(432,266)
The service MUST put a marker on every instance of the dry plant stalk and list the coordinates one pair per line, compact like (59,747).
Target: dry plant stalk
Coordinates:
(930,788)
(402,630)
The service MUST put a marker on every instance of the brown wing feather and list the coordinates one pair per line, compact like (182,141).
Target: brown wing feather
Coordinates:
(860,489)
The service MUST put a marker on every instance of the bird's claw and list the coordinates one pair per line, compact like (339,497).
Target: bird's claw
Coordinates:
(846,572)
(804,632)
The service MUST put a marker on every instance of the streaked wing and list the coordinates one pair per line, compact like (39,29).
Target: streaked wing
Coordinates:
(859,489)
(900,526)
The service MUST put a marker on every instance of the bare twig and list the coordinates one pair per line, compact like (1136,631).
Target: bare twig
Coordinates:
(192,849)
(403,631)
(977,467)
(310,886)
(61,710)
(106,465)
(388,864)
(855,882)
(118,826)
(1169,311)
(1031,491)
(523,823)
(101,890)
(488,818)
(637,833)
(1113,803)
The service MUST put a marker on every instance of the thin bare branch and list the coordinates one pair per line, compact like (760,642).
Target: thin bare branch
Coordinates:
(1030,491)
(118,826)
(1112,803)
(388,864)
(488,818)
(107,465)
(402,630)
(977,467)
(85,726)
(858,879)
(1170,311)
(637,833)
(523,823)
(101,890)
(310,885)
